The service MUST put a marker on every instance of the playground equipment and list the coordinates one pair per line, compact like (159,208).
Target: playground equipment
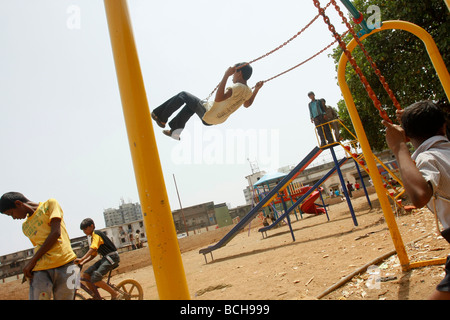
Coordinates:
(290,194)
(283,184)
(164,250)
(301,199)
(283,45)
(392,183)
(306,199)
(309,205)
(371,164)
(162,238)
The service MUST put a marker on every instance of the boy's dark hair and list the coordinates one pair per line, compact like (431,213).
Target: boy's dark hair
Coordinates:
(86,223)
(422,120)
(7,201)
(247,70)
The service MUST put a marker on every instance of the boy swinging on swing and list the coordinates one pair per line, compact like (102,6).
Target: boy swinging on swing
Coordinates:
(226,102)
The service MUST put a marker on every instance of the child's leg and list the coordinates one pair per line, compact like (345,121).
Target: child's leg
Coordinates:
(86,279)
(102,284)
(54,283)
(328,133)
(179,121)
(164,111)
(318,122)
(41,286)
(443,289)
(440,295)
(97,276)
(193,105)
(64,281)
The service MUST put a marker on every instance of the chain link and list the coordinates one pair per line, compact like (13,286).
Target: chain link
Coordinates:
(368,57)
(352,61)
(278,48)
(303,62)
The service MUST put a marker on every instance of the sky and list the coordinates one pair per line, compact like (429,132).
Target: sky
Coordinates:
(62,129)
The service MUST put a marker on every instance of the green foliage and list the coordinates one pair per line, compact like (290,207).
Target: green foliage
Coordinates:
(402,60)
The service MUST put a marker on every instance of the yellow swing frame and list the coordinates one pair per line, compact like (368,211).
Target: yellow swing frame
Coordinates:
(161,234)
(444,77)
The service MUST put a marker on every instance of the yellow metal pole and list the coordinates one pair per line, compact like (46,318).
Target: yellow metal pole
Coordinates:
(368,155)
(372,167)
(161,235)
(432,262)
(428,41)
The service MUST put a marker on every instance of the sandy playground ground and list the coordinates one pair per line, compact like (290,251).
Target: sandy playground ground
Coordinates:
(277,268)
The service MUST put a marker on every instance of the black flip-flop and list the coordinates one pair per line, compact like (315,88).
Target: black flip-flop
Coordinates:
(158,122)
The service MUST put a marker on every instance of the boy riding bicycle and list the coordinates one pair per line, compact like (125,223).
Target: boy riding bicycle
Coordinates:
(99,243)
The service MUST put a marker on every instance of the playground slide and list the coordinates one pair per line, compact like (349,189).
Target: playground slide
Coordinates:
(302,198)
(309,207)
(267,199)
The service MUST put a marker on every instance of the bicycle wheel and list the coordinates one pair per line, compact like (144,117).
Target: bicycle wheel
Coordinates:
(132,290)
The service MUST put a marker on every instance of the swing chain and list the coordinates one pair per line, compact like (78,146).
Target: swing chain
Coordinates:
(352,61)
(303,62)
(368,57)
(291,39)
(278,48)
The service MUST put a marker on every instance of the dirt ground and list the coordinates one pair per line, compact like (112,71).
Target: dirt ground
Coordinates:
(278,268)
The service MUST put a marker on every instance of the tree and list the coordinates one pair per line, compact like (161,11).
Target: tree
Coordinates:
(402,60)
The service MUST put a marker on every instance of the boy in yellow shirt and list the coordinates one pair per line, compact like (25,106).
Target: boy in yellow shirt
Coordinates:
(99,243)
(51,269)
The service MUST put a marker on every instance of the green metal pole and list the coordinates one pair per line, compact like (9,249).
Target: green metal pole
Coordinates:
(357,15)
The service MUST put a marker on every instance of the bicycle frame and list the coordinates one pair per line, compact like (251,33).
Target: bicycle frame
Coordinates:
(96,294)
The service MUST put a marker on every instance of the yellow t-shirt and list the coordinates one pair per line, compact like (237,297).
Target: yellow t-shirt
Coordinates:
(95,242)
(218,112)
(37,228)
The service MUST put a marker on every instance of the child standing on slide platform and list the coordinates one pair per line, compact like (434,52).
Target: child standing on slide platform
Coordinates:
(425,174)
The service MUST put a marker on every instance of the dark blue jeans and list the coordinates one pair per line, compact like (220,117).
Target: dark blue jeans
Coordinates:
(192,105)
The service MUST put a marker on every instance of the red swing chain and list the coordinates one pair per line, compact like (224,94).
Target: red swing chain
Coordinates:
(303,62)
(352,61)
(368,57)
(278,48)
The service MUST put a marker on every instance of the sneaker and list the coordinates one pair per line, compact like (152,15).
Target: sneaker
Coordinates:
(158,122)
(173,135)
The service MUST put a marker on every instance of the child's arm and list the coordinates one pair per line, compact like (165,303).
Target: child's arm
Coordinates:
(249,102)
(419,190)
(87,257)
(221,94)
(52,238)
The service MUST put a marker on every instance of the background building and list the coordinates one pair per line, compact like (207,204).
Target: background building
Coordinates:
(126,213)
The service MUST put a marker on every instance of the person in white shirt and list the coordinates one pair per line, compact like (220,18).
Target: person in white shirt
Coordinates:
(425,174)
(226,102)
